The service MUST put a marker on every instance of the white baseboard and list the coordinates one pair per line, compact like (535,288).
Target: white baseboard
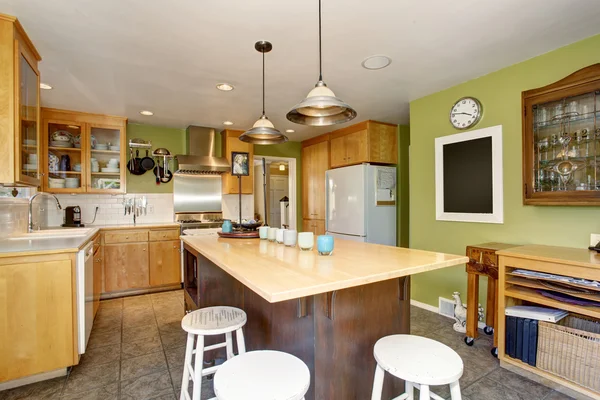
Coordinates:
(436,310)
(33,379)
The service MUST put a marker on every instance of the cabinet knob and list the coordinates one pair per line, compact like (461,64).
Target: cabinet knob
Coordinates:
(143,249)
(176,247)
(126,237)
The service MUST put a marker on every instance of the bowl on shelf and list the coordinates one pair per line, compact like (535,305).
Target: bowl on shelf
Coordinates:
(102,146)
(62,136)
(111,170)
(72,183)
(54,143)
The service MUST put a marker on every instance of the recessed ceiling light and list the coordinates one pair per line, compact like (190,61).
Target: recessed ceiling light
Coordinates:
(226,87)
(45,86)
(227,123)
(376,62)
(146,112)
(289,131)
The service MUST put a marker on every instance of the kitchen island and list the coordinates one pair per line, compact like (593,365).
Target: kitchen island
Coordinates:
(328,311)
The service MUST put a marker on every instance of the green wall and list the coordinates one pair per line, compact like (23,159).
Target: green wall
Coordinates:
(500,94)
(170,138)
(402,177)
(292,150)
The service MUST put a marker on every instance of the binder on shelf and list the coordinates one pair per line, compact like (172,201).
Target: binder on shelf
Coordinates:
(539,313)
(519,339)
(526,328)
(533,336)
(511,333)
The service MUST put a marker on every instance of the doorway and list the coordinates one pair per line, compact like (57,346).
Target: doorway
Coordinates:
(280,177)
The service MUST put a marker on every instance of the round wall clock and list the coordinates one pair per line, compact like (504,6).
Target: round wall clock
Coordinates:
(465,113)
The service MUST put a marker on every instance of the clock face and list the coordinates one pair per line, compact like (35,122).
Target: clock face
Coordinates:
(465,113)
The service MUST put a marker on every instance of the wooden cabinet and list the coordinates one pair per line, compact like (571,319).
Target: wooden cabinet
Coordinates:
(39,330)
(98,274)
(126,266)
(19,105)
(140,259)
(315,162)
(369,141)
(561,141)
(88,139)
(316,226)
(165,263)
(230,142)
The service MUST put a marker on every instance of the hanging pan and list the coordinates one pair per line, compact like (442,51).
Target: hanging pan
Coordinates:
(147,162)
(135,164)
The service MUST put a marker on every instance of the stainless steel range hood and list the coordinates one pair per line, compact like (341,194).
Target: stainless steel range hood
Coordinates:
(201,157)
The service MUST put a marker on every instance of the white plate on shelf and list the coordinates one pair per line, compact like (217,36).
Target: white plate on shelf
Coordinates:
(115,148)
(61,144)
(30,166)
(101,147)
(111,170)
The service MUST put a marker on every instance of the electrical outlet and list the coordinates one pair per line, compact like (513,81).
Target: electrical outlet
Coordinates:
(594,238)
(150,209)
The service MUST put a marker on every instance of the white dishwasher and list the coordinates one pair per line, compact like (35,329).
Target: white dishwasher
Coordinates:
(85,295)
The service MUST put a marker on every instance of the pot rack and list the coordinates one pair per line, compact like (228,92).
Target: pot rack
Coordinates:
(137,145)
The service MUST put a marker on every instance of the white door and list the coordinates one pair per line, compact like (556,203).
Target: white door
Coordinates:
(346,200)
(278,189)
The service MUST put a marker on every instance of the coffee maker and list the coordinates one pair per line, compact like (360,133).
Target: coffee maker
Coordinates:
(73,217)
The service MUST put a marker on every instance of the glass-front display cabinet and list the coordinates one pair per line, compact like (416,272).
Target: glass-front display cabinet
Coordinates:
(83,152)
(561,141)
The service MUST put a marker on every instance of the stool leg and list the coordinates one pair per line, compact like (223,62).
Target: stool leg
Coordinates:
(424,394)
(198,363)
(185,381)
(378,383)
(455,391)
(229,345)
(239,334)
(410,390)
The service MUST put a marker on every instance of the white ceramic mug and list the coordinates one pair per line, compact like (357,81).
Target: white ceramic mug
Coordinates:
(289,237)
(306,240)
(263,232)
(271,234)
(279,235)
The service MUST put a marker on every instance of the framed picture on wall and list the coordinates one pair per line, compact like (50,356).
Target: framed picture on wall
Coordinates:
(468,176)
(240,164)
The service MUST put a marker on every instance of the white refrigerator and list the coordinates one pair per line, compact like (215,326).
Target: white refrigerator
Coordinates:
(361,203)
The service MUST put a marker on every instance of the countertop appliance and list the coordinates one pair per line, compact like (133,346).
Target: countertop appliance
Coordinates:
(73,217)
(85,295)
(361,203)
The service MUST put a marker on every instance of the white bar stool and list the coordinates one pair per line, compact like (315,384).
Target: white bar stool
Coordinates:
(421,362)
(263,374)
(204,322)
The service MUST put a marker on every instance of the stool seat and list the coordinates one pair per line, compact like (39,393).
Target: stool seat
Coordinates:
(418,359)
(213,320)
(264,374)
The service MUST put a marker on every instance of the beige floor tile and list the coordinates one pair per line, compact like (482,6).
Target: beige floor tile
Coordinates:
(147,387)
(109,392)
(141,347)
(45,390)
(83,378)
(143,365)
(101,355)
(133,334)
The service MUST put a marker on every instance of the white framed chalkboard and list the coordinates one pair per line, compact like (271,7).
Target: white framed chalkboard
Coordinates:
(468,176)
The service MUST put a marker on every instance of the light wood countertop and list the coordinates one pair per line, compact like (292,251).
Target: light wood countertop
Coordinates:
(556,254)
(279,273)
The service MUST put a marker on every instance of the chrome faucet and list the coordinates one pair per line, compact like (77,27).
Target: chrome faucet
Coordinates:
(30,224)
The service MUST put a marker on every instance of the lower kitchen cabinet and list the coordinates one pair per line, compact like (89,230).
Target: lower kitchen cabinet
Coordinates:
(165,263)
(126,266)
(98,272)
(316,226)
(38,330)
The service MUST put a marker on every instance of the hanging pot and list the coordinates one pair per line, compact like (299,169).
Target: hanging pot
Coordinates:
(147,162)
(135,164)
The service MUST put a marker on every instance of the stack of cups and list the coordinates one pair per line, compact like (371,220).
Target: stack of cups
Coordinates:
(95,165)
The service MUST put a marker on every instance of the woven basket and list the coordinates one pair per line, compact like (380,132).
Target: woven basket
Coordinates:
(571,350)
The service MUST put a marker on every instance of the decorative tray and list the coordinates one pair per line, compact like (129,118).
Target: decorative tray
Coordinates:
(239,235)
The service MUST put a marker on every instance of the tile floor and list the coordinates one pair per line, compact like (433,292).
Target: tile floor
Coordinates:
(137,346)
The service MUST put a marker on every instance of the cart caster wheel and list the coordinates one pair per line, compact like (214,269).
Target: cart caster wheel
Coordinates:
(469,341)
(488,330)
(494,352)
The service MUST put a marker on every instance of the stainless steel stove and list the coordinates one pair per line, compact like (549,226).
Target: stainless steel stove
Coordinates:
(209,220)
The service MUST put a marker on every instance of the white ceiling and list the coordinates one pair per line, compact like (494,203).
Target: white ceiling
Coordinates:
(122,56)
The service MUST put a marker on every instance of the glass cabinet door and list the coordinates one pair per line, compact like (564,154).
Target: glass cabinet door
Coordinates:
(29,164)
(566,146)
(106,161)
(65,158)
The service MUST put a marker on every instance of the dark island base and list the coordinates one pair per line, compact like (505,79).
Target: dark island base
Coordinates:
(333,333)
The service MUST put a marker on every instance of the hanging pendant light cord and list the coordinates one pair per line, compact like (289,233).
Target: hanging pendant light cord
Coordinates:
(263,83)
(320,57)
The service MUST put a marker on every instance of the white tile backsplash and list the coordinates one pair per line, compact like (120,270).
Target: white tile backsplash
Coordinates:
(111,209)
(231,206)
(14,216)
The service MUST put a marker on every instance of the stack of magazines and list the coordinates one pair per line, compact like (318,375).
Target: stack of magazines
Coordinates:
(522,330)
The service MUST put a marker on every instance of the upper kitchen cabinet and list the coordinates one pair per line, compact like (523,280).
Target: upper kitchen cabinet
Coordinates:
(315,162)
(561,141)
(83,152)
(19,105)
(230,142)
(369,141)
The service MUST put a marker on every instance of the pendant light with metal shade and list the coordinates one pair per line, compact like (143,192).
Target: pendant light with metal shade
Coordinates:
(263,131)
(321,107)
